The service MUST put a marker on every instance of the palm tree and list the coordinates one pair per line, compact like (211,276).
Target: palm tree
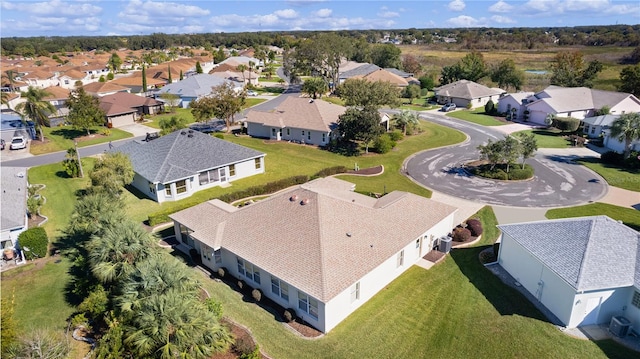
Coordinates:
(242,68)
(250,66)
(94,213)
(406,118)
(35,108)
(113,255)
(626,128)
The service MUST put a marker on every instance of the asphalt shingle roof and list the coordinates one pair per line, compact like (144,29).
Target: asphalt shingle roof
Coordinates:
(297,112)
(468,90)
(360,71)
(565,99)
(604,120)
(321,247)
(589,253)
(195,86)
(182,154)
(13,199)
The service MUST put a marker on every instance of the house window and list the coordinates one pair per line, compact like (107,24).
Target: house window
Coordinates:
(273,132)
(240,266)
(209,176)
(308,304)
(152,187)
(206,252)
(66,82)
(167,189)
(418,243)
(288,131)
(258,163)
(593,129)
(400,259)
(181,186)
(303,133)
(309,135)
(355,292)
(324,137)
(279,288)
(636,299)
(232,170)
(217,256)
(248,270)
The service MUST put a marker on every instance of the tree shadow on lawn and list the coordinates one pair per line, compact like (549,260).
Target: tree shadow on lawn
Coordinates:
(506,300)
(69,133)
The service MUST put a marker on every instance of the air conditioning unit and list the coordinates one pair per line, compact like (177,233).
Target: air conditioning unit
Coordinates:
(619,326)
(445,244)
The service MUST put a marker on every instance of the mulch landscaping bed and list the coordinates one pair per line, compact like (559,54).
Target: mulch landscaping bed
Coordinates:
(34,221)
(368,171)
(434,256)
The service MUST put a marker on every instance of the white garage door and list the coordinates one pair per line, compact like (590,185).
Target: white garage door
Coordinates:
(119,121)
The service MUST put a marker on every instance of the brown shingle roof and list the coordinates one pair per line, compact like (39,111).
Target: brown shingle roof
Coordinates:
(103,87)
(129,100)
(308,245)
(386,76)
(56,93)
(297,112)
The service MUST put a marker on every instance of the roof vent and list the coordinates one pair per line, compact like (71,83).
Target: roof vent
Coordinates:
(190,135)
(348,234)
(190,131)
(293,198)
(183,133)
(304,201)
(311,101)
(20,174)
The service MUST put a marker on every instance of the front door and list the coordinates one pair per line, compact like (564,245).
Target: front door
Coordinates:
(591,311)
(223,175)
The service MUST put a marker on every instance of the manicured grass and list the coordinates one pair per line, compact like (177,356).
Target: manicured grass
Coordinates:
(628,216)
(615,176)
(334,100)
(250,102)
(457,309)
(61,138)
(154,121)
(549,138)
(476,116)
(416,107)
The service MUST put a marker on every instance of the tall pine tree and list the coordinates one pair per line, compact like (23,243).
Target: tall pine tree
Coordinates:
(144,79)
(169,70)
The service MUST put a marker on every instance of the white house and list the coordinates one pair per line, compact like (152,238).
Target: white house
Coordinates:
(195,87)
(513,104)
(304,120)
(319,248)
(13,202)
(584,270)
(465,92)
(183,162)
(601,126)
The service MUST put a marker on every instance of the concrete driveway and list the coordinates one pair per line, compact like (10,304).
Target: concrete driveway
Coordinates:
(558,180)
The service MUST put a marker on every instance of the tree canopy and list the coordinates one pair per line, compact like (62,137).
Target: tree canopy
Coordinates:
(363,93)
(36,108)
(360,125)
(630,80)
(315,87)
(626,128)
(111,173)
(84,110)
(568,70)
(472,67)
(223,103)
(506,75)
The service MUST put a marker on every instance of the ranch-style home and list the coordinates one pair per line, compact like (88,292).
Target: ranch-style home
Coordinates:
(585,270)
(183,162)
(298,119)
(600,126)
(13,201)
(319,248)
(195,87)
(465,92)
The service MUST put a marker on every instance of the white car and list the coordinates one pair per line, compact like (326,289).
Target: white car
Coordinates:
(252,93)
(18,143)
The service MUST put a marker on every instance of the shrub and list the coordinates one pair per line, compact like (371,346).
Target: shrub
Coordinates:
(566,124)
(80,320)
(219,135)
(244,345)
(426,82)
(489,108)
(517,173)
(612,157)
(256,294)
(214,307)
(35,239)
(95,303)
(222,271)
(461,234)
(469,106)
(290,315)
(396,135)
(474,226)
(330,171)
(383,144)
(577,140)
(633,161)
(255,354)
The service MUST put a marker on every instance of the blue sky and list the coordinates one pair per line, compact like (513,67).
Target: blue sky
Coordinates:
(135,17)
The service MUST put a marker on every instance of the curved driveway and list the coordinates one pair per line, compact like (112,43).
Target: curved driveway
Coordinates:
(558,180)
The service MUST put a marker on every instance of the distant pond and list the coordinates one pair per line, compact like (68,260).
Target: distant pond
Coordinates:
(537,72)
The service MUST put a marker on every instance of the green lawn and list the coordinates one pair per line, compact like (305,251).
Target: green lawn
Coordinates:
(549,138)
(615,176)
(154,121)
(476,116)
(628,216)
(61,138)
(457,309)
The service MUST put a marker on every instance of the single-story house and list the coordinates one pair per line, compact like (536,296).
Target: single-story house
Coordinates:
(104,88)
(597,126)
(13,203)
(464,92)
(319,248)
(512,104)
(123,108)
(298,119)
(576,102)
(117,115)
(183,162)
(195,87)
(585,270)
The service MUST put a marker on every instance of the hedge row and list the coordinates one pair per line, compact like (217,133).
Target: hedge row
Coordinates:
(271,187)
(34,242)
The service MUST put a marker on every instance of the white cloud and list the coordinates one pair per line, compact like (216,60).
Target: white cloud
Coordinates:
(161,9)
(502,19)
(286,13)
(466,21)
(500,6)
(542,6)
(53,8)
(623,10)
(388,14)
(323,13)
(581,5)
(456,5)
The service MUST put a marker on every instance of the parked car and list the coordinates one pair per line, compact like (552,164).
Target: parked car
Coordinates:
(18,143)
(2,144)
(252,93)
(449,107)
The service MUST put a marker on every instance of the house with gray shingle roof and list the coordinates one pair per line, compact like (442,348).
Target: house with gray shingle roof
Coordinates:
(465,92)
(195,87)
(597,126)
(585,270)
(319,248)
(13,202)
(183,162)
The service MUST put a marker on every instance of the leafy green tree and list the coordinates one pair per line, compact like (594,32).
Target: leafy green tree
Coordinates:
(242,68)
(96,303)
(111,173)
(362,93)
(405,119)
(491,152)
(111,345)
(630,80)
(427,82)
(626,128)
(321,55)
(510,151)
(604,110)
(360,125)
(223,103)
(411,92)
(386,55)
(110,76)
(102,79)
(169,125)
(113,255)
(94,213)
(219,56)
(506,75)
(472,67)
(314,87)
(115,62)
(144,79)
(84,110)
(198,67)
(489,107)
(171,100)
(36,108)
(528,146)
(568,70)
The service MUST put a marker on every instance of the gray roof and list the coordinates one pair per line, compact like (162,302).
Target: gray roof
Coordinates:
(195,86)
(467,90)
(13,197)
(589,253)
(399,72)
(360,71)
(182,154)
(565,99)
(604,120)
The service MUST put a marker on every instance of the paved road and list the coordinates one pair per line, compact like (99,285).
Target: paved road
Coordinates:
(558,180)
